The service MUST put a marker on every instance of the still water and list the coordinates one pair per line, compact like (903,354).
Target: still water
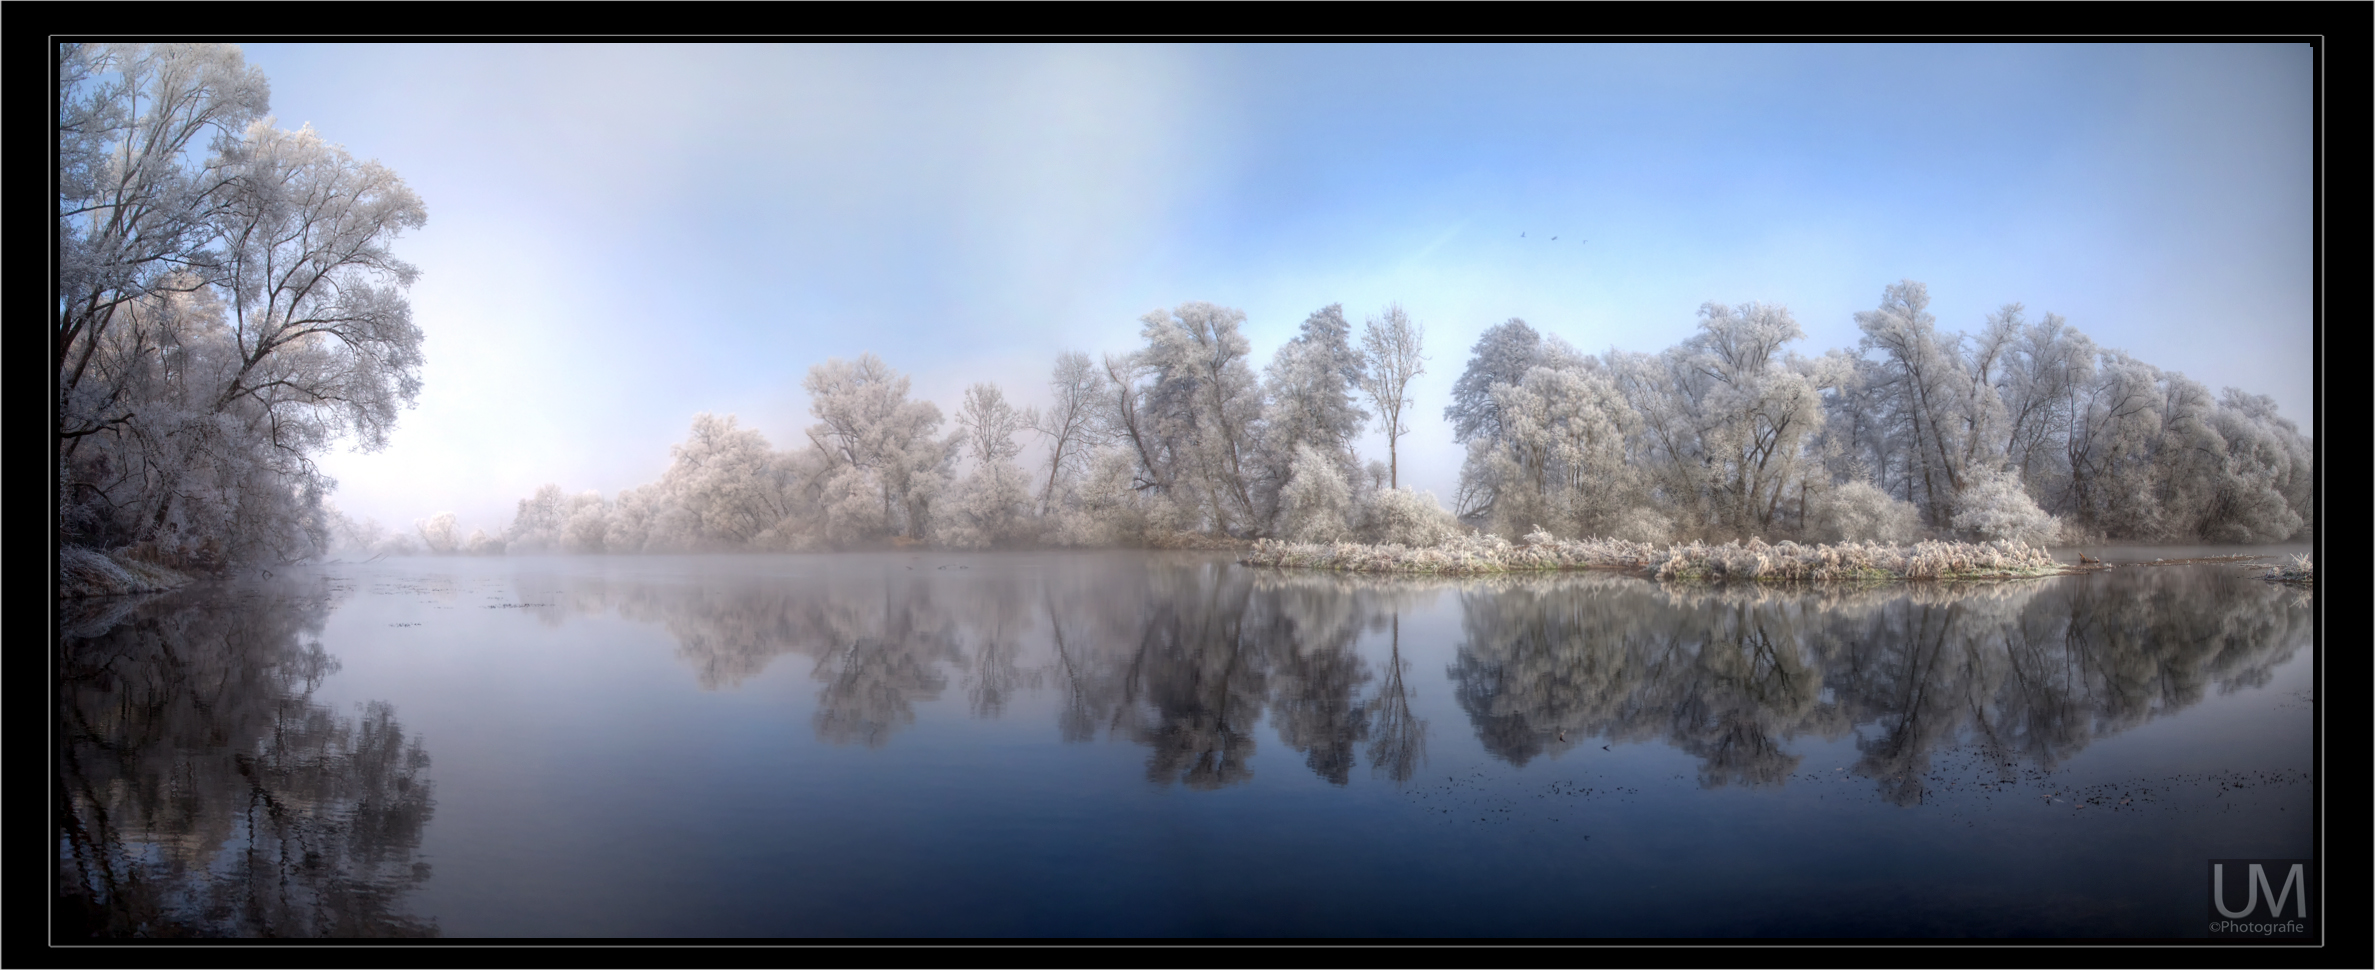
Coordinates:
(1169,745)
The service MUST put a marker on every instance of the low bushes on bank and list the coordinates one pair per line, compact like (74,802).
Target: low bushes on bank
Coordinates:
(2302,571)
(1753,560)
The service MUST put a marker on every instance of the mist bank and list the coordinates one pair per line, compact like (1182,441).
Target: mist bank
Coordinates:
(2023,433)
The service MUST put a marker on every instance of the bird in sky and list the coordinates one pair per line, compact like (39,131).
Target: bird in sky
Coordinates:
(1554,239)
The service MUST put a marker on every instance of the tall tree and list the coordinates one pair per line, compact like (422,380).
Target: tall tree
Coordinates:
(1189,407)
(885,462)
(135,214)
(733,485)
(1070,422)
(1502,355)
(1311,385)
(224,316)
(1755,411)
(1393,349)
(992,503)
(1920,383)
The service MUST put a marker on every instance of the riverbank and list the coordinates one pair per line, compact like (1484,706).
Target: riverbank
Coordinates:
(1754,560)
(2302,571)
(84,573)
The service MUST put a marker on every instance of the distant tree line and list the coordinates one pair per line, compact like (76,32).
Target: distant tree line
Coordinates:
(1177,442)
(2024,431)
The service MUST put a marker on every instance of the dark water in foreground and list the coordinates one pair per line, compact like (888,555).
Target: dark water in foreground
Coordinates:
(1135,744)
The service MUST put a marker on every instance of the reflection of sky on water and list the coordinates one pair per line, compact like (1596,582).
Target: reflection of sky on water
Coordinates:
(1164,745)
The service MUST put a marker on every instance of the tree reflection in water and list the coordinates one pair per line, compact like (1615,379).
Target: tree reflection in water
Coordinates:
(2027,672)
(200,791)
(1189,656)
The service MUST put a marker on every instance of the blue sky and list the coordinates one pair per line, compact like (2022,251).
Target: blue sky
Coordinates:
(622,236)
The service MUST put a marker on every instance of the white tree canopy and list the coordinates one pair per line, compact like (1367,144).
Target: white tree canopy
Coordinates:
(226,310)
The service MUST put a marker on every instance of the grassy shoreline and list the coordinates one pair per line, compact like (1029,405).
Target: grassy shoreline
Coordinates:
(1754,560)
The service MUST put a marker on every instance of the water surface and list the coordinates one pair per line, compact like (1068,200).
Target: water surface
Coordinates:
(1146,744)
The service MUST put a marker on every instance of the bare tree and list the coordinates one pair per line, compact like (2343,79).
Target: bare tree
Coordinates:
(990,424)
(1392,347)
(1070,422)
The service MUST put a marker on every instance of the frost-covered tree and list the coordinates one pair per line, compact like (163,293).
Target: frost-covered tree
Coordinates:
(1994,507)
(1188,408)
(1070,424)
(1393,353)
(437,533)
(351,536)
(1861,512)
(2265,487)
(539,521)
(1918,383)
(989,424)
(2041,378)
(227,309)
(990,506)
(732,486)
(884,462)
(1401,516)
(1311,386)
(647,519)
(1316,504)
(1502,355)
(588,524)
(1749,414)
(146,159)
(992,503)
(1561,459)
(2115,419)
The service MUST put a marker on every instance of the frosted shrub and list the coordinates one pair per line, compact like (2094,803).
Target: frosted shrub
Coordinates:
(1316,500)
(1642,524)
(1456,555)
(1753,561)
(989,507)
(1861,512)
(482,544)
(1994,506)
(2301,571)
(1791,562)
(1111,511)
(1400,516)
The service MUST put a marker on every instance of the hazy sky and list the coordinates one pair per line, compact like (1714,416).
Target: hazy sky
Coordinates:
(622,236)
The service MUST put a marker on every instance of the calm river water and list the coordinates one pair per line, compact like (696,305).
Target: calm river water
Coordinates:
(1165,745)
